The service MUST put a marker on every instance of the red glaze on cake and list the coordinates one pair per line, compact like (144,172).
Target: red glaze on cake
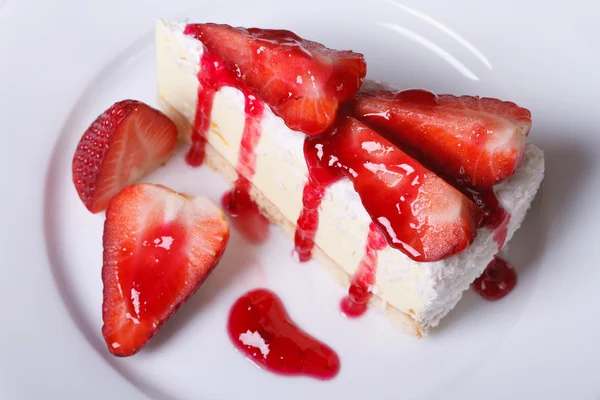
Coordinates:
(306,92)
(496,218)
(355,303)
(417,211)
(244,212)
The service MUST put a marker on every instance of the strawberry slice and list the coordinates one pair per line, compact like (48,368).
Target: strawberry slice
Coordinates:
(302,81)
(122,145)
(159,246)
(474,141)
(418,212)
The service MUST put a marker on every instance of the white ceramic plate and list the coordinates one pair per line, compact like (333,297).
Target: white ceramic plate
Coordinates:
(63,62)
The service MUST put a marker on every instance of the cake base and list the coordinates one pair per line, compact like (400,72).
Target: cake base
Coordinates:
(215,161)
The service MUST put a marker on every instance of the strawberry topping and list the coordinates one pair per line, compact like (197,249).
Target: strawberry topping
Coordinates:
(159,246)
(121,146)
(302,81)
(476,142)
(418,212)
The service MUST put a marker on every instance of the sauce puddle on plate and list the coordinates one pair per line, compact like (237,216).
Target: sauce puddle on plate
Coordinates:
(261,329)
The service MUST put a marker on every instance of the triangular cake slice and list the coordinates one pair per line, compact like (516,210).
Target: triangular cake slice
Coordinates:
(415,285)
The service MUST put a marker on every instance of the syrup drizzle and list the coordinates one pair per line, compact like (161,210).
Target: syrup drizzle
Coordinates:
(244,211)
(261,329)
(320,178)
(496,218)
(212,76)
(355,303)
(322,175)
(308,221)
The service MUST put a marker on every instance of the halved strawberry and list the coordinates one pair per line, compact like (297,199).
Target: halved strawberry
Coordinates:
(159,246)
(418,212)
(474,141)
(121,146)
(302,81)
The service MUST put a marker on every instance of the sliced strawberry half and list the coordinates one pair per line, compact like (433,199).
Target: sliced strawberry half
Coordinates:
(418,212)
(122,145)
(159,246)
(474,141)
(302,81)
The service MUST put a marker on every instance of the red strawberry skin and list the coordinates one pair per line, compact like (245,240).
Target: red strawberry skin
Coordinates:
(417,211)
(303,82)
(475,142)
(159,246)
(122,145)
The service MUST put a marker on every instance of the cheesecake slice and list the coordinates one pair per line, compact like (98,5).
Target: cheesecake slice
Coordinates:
(413,288)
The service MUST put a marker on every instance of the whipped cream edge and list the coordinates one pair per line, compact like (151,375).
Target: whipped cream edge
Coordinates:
(426,291)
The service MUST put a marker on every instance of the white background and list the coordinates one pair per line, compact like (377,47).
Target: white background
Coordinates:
(64,62)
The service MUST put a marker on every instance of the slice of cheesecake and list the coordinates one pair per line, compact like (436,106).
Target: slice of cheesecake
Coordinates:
(358,242)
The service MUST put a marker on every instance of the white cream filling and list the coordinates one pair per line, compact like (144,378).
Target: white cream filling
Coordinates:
(426,291)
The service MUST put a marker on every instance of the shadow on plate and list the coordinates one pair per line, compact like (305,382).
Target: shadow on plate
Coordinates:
(567,166)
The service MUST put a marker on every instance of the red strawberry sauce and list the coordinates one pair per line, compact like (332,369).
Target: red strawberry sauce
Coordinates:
(355,303)
(320,177)
(243,211)
(498,279)
(237,203)
(152,279)
(495,216)
(212,76)
(282,346)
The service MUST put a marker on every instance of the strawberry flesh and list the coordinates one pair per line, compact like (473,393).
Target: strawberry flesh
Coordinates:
(474,142)
(156,275)
(418,212)
(303,82)
(121,146)
(159,246)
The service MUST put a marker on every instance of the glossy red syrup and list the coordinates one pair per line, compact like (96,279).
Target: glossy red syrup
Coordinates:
(153,271)
(243,211)
(394,188)
(213,75)
(320,177)
(355,303)
(282,346)
(308,221)
(498,280)
(495,216)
